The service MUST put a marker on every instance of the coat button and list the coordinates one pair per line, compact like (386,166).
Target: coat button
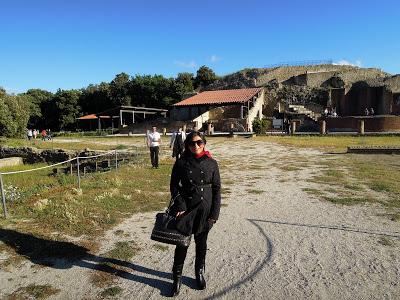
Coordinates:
(191,180)
(202,189)
(202,180)
(201,172)
(190,172)
(201,198)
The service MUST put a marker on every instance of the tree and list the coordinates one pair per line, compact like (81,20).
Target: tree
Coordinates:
(95,98)
(153,91)
(119,90)
(13,115)
(62,110)
(205,76)
(36,98)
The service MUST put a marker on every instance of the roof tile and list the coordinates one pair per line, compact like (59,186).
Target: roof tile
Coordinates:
(220,97)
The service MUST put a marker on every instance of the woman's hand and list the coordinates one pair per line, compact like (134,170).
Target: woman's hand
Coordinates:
(179,213)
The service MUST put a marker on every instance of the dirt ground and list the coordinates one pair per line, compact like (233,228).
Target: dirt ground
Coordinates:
(272,241)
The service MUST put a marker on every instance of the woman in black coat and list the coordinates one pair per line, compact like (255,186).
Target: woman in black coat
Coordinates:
(196,190)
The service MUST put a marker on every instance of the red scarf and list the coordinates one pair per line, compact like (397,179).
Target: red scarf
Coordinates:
(207,153)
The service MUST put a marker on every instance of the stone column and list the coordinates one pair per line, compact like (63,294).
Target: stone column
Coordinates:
(293,126)
(209,132)
(323,127)
(165,131)
(184,128)
(361,127)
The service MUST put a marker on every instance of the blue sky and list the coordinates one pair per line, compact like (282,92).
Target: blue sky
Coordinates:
(71,44)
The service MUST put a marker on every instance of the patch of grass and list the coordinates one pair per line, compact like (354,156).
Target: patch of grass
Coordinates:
(289,168)
(347,200)
(119,232)
(34,291)
(386,241)
(105,198)
(123,251)
(312,191)
(111,292)
(225,190)
(380,186)
(102,279)
(228,182)
(254,191)
(328,142)
(161,247)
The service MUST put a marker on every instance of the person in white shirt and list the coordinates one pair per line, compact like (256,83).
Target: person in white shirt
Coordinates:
(154,142)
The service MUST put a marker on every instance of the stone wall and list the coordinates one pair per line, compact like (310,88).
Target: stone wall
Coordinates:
(371,124)
(33,155)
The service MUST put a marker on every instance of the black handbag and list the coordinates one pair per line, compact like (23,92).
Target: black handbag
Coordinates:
(165,231)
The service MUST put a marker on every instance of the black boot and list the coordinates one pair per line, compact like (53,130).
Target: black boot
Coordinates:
(177,277)
(200,270)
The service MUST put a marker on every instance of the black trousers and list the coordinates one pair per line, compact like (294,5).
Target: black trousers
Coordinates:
(201,249)
(154,156)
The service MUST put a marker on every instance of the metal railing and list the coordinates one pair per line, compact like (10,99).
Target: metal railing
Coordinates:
(78,160)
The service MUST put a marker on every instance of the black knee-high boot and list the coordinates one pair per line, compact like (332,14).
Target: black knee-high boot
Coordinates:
(200,268)
(177,277)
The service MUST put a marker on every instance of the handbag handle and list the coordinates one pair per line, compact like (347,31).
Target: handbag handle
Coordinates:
(171,202)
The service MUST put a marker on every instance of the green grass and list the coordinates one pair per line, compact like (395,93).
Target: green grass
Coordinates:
(336,143)
(78,143)
(160,247)
(111,292)
(254,191)
(123,251)
(34,291)
(47,203)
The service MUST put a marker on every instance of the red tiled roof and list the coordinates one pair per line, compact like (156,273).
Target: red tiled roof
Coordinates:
(92,117)
(220,97)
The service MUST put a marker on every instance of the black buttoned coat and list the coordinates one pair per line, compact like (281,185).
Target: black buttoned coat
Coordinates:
(196,189)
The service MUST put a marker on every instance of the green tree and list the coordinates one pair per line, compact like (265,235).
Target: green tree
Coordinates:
(119,90)
(184,84)
(14,115)
(205,76)
(62,110)
(37,98)
(153,91)
(95,98)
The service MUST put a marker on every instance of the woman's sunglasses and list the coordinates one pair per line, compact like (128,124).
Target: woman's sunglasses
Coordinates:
(198,142)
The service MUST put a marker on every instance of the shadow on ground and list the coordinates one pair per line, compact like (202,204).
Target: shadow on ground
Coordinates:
(65,255)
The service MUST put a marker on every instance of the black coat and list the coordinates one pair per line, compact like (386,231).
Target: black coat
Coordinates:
(196,187)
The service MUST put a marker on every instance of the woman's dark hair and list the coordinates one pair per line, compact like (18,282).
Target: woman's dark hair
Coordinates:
(190,137)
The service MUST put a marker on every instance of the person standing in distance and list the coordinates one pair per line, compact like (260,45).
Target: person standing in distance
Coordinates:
(177,143)
(154,142)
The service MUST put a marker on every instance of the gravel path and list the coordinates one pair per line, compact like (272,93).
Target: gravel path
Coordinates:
(273,241)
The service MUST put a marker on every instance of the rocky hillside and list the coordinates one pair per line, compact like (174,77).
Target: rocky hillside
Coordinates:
(287,75)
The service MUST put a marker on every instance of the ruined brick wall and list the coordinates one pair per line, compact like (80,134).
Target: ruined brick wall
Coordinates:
(371,124)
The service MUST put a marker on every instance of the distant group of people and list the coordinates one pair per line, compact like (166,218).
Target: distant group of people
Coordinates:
(369,112)
(34,133)
(330,112)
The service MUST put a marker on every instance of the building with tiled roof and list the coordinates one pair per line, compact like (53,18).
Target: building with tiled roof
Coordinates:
(237,106)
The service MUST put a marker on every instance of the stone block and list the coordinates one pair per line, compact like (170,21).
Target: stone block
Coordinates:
(11,161)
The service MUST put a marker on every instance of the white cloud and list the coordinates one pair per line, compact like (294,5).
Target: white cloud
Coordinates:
(214,58)
(191,64)
(344,62)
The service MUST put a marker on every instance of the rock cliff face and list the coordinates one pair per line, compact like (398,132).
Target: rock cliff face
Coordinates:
(314,75)
(305,84)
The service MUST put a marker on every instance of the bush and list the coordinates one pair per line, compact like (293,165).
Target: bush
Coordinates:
(260,126)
